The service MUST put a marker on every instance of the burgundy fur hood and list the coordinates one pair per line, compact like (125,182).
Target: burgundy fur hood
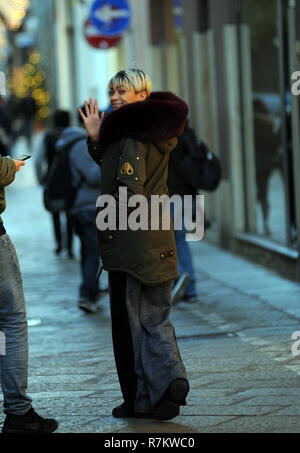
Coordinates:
(160,117)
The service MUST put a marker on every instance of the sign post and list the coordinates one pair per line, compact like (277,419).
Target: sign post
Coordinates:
(110,17)
(95,39)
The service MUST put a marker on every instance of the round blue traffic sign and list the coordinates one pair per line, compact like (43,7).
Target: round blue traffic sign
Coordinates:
(111,17)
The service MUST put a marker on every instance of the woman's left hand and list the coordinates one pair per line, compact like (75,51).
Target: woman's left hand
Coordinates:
(92,120)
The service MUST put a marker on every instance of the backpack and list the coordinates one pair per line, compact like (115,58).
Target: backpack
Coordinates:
(199,167)
(59,193)
(43,155)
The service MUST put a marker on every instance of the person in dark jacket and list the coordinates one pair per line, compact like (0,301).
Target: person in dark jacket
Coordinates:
(266,156)
(28,108)
(20,415)
(177,186)
(5,129)
(132,145)
(61,121)
(86,179)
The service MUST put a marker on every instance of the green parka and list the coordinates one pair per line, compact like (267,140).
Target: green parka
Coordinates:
(133,152)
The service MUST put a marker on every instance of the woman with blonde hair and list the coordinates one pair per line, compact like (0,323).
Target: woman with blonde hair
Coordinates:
(132,145)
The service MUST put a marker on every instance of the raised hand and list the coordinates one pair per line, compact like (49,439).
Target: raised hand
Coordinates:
(92,120)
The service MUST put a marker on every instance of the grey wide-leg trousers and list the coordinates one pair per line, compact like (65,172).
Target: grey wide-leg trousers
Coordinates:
(146,352)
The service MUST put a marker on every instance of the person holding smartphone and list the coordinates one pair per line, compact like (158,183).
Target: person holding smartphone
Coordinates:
(20,415)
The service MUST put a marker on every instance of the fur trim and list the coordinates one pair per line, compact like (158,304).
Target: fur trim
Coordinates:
(160,117)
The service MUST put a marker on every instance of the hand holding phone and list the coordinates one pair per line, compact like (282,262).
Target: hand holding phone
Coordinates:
(18,163)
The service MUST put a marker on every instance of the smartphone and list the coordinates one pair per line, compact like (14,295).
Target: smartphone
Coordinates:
(24,157)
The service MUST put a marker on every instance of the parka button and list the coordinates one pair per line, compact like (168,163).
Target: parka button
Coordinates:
(138,158)
(110,236)
(162,255)
(136,179)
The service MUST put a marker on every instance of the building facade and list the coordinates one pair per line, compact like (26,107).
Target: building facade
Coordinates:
(232,61)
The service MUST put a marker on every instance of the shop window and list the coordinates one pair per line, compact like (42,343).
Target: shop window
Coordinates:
(270,113)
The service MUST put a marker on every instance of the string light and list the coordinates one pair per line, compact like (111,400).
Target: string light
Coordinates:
(29,80)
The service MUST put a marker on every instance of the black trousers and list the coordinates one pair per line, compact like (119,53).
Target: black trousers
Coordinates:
(57,229)
(122,339)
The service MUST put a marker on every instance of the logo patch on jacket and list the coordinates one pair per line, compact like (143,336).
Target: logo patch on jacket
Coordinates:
(127,169)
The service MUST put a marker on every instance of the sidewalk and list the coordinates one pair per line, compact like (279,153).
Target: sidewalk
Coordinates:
(236,344)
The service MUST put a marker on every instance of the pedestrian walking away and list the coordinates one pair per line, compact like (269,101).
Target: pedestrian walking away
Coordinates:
(54,191)
(85,175)
(20,415)
(192,167)
(132,145)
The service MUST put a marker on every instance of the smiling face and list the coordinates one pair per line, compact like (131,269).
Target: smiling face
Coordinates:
(128,86)
(121,95)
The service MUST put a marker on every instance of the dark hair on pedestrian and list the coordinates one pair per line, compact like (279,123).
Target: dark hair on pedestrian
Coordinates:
(80,120)
(61,118)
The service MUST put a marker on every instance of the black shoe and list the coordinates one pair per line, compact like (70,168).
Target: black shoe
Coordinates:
(168,407)
(179,288)
(58,250)
(124,411)
(29,423)
(87,305)
(98,295)
(191,299)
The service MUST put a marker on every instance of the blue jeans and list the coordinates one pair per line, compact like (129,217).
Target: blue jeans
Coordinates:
(185,259)
(13,324)
(85,227)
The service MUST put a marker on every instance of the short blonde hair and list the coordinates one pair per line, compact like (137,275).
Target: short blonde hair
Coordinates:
(132,78)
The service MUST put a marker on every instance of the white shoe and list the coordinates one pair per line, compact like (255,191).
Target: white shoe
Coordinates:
(87,305)
(179,289)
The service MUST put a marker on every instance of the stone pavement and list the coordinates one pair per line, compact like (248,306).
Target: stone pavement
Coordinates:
(236,343)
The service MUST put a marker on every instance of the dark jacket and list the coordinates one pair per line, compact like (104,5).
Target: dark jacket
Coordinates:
(84,171)
(140,136)
(176,183)
(50,145)
(84,174)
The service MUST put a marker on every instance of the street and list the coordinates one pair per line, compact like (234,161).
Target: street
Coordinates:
(236,343)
